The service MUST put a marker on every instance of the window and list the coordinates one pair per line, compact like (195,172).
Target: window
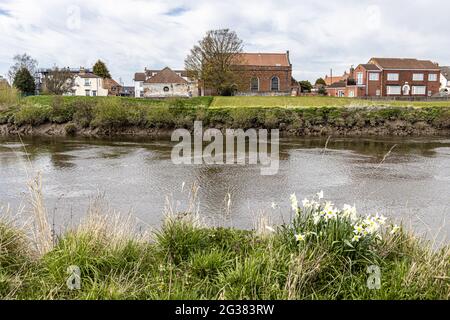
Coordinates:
(94,93)
(341,93)
(87,82)
(254,84)
(418,77)
(419,90)
(432,77)
(359,78)
(88,92)
(393,90)
(166,89)
(351,94)
(374,76)
(392,77)
(275,84)
(378,92)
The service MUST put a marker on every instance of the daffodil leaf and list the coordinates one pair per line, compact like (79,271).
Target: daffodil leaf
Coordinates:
(348,243)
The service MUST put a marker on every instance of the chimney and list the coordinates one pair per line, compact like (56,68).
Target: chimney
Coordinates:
(288,57)
(82,71)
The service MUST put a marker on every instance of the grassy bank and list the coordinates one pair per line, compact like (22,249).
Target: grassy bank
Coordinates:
(323,253)
(298,115)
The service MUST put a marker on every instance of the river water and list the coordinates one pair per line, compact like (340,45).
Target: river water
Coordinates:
(410,184)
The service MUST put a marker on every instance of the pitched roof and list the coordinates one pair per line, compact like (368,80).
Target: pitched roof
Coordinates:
(330,80)
(87,75)
(108,83)
(264,59)
(370,67)
(446,72)
(166,75)
(400,63)
(339,84)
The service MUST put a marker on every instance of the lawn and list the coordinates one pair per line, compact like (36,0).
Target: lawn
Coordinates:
(286,102)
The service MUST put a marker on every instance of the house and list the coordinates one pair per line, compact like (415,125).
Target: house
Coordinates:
(42,73)
(264,74)
(89,84)
(329,80)
(164,83)
(114,88)
(445,79)
(391,77)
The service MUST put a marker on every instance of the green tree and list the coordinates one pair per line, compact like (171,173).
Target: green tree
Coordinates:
(214,59)
(322,91)
(320,82)
(101,70)
(22,61)
(24,81)
(306,86)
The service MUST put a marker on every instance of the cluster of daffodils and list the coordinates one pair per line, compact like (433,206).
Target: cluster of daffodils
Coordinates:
(326,212)
(368,226)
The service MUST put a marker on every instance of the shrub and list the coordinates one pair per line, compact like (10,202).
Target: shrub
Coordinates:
(110,114)
(61,112)
(159,117)
(33,114)
(83,112)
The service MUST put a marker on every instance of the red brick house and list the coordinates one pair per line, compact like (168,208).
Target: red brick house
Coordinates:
(391,77)
(264,74)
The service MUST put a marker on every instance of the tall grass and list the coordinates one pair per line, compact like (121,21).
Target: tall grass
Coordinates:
(8,96)
(315,256)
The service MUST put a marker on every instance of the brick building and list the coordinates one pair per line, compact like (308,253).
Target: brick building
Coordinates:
(264,74)
(391,77)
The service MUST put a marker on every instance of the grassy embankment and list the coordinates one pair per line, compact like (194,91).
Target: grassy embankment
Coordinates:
(323,253)
(298,114)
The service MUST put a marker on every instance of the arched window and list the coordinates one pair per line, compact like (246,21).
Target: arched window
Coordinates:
(275,84)
(254,84)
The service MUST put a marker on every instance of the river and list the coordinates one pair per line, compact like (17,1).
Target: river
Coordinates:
(409,184)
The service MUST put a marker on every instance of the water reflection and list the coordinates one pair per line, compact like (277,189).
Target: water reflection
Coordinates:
(410,183)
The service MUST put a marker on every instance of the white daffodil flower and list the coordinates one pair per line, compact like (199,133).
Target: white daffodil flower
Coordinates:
(305,203)
(299,237)
(294,202)
(316,218)
(356,238)
(358,229)
(274,205)
(395,229)
(320,195)
(270,228)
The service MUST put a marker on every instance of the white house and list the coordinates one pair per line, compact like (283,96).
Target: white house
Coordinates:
(445,79)
(89,84)
(164,83)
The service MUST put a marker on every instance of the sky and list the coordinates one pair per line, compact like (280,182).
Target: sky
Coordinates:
(132,34)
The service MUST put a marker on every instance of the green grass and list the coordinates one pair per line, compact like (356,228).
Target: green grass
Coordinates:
(187,260)
(305,102)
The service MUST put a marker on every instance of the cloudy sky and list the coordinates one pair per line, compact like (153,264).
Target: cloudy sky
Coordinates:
(132,34)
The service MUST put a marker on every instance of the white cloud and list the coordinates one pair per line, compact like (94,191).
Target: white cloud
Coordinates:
(131,35)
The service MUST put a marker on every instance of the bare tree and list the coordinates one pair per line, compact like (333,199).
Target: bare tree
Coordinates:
(211,61)
(22,61)
(59,81)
